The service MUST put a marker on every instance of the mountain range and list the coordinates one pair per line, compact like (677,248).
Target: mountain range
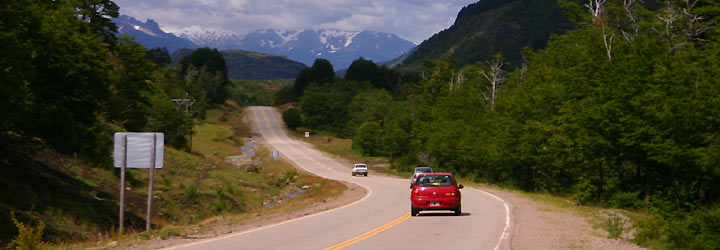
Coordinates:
(150,34)
(341,48)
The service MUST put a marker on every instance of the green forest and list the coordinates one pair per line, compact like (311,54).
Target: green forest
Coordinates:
(622,112)
(68,83)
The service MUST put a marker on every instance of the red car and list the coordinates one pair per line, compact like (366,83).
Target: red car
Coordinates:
(435,191)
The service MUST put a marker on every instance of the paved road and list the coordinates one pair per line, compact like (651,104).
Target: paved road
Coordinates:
(381,220)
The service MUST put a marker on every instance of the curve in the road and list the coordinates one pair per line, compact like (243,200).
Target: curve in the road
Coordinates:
(380,220)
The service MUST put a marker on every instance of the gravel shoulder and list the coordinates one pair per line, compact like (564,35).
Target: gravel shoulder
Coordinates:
(543,226)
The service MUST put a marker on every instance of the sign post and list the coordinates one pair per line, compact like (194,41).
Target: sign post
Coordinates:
(122,184)
(138,150)
(150,185)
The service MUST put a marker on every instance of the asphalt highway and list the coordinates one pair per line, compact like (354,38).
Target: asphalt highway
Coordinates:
(380,220)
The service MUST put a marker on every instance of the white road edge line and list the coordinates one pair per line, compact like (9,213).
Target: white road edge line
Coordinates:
(369,192)
(505,232)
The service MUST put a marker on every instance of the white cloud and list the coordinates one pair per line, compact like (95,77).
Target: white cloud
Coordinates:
(415,20)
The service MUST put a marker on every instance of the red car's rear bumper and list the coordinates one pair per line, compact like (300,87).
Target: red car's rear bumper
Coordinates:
(435,203)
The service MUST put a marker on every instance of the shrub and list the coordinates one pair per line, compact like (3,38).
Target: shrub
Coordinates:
(220,206)
(366,138)
(613,225)
(408,161)
(584,191)
(292,118)
(169,231)
(28,238)
(192,194)
(626,200)
(699,230)
(290,175)
(649,228)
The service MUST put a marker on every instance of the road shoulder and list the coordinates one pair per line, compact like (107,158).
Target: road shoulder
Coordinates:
(544,226)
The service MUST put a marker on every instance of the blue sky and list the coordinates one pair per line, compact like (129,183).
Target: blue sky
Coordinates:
(414,20)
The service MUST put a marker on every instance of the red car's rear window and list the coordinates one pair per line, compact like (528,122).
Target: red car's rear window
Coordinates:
(435,181)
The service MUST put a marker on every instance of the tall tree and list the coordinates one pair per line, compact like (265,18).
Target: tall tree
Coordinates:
(159,56)
(129,101)
(211,64)
(321,73)
(61,69)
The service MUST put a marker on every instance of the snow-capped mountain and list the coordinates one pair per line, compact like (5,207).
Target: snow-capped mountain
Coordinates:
(341,48)
(220,40)
(148,33)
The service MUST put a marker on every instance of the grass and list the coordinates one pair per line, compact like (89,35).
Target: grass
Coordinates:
(220,134)
(215,140)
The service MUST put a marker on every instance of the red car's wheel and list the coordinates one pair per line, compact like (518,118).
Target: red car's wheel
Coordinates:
(458,210)
(414,211)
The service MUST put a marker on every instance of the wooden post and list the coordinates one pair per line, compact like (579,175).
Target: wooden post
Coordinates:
(122,185)
(150,186)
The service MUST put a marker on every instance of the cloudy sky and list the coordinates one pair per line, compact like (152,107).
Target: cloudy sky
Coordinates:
(414,20)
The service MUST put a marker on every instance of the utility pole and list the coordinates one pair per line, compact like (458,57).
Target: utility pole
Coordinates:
(180,101)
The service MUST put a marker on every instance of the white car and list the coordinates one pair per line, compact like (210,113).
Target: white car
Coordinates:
(360,169)
(418,171)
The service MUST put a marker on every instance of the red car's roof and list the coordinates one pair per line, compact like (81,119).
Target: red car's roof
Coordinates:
(431,174)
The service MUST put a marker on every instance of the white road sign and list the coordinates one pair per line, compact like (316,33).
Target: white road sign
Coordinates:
(139,149)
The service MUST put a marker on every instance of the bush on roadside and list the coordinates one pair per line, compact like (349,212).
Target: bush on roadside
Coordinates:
(649,228)
(292,118)
(192,194)
(366,138)
(613,225)
(28,238)
(169,231)
(699,230)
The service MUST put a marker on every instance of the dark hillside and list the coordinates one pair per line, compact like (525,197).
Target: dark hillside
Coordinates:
(251,65)
(37,186)
(258,66)
(489,27)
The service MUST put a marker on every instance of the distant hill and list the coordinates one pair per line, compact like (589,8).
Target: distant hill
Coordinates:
(257,66)
(150,35)
(488,27)
(252,66)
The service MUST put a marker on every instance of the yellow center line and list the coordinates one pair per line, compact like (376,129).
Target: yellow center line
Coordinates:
(365,235)
(369,234)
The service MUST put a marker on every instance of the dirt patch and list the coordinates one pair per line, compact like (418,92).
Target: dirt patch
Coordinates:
(352,194)
(543,226)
